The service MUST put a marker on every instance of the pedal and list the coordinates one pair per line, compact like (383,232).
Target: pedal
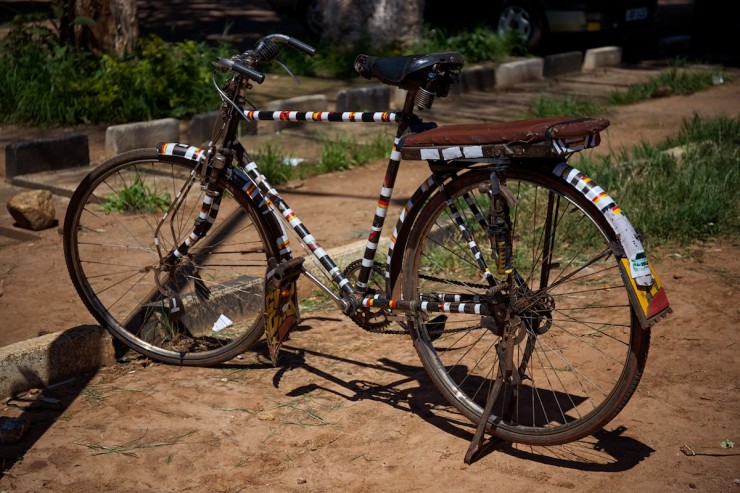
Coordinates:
(281,302)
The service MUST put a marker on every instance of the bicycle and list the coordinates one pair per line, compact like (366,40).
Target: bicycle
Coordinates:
(526,291)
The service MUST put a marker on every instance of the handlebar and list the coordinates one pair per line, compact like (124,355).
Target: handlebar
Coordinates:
(292,42)
(265,51)
(255,75)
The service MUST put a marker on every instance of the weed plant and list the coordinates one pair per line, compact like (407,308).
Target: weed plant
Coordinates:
(682,190)
(137,197)
(546,106)
(45,82)
(675,80)
(338,153)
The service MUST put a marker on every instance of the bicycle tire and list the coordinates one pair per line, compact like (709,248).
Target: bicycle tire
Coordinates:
(112,250)
(581,370)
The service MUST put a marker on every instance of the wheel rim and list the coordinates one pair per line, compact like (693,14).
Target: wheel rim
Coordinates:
(574,337)
(204,310)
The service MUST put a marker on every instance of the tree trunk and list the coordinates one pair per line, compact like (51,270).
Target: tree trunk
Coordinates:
(116,29)
(382,22)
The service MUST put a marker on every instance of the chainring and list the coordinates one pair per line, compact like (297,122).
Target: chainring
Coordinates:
(369,318)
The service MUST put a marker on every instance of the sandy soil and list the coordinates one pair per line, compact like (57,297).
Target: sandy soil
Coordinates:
(353,411)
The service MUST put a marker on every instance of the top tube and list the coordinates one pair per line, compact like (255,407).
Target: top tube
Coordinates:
(323,116)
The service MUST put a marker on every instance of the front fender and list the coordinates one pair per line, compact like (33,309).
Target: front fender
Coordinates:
(252,194)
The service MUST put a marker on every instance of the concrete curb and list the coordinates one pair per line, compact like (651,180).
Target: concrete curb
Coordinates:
(22,157)
(39,155)
(54,357)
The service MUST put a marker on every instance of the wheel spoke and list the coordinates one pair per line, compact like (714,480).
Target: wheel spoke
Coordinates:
(570,329)
(204,309)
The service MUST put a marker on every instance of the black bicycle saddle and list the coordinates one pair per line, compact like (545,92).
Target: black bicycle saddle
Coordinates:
(396,71)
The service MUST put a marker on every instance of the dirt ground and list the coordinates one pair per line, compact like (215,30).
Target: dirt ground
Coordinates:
(352,411)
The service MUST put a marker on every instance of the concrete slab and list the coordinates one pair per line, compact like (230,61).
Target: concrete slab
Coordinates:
(53,357)
(53,153)
(607,56)
(512,73)
(121,138)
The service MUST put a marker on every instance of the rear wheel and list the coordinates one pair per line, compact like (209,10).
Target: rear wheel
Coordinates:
(203,310)
(563,343)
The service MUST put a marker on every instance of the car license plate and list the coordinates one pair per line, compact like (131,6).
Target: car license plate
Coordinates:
(636,14)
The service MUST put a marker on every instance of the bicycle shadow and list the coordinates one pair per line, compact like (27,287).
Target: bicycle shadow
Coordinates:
(608,450)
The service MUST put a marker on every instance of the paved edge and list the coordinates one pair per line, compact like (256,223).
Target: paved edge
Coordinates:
(55,357)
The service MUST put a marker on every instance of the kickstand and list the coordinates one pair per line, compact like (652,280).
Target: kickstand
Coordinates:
(504,362)
(475,444)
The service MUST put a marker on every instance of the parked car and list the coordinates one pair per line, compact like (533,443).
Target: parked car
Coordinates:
(308,12)
(539,21)
(542,22)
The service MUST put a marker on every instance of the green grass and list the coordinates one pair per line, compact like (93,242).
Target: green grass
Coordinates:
(672,81)
(136,197)
(546,106)
(47,83)
(678,197)
(338,153)
(676,80)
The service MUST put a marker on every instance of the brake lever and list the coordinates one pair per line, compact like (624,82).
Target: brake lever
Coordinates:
(285,67)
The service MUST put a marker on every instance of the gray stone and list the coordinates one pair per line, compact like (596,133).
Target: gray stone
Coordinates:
(512,73)
(606,56)
(201,127)
(33,209)
(203,124)
(51,154)
(674,45)
(54,357)
(129,136)
(480,78)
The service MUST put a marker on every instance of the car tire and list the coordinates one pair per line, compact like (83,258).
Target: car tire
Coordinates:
(526,17)
(313,17)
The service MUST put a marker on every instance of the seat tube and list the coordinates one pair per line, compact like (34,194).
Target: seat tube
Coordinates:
(386,191)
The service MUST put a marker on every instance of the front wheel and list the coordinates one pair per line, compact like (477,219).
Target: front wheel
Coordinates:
(203,309)
(563,343)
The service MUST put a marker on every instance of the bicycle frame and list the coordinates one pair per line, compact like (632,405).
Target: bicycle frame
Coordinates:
(360,289)
(646,294)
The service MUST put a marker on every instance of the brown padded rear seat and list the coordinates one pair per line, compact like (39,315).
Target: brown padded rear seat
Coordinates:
(523,131)
(533,138)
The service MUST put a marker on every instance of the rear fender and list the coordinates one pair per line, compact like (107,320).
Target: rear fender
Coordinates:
(646,293)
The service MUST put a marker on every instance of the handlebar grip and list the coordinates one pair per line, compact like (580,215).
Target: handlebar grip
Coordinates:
(253,74)
(290,41)
(301,46)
